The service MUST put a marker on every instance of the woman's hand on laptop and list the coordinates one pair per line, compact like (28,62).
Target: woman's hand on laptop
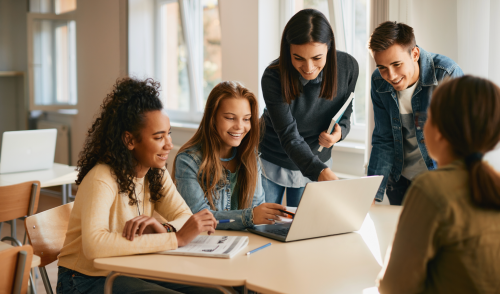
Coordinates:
(202,221)
(267,213)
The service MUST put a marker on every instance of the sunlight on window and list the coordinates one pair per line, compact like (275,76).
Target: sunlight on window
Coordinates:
(63,6)
(321,5)
(174,72)
(54,62)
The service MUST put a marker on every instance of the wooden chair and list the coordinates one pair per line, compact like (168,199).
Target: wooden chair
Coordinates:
(15,269)
(46,232)
(18,201)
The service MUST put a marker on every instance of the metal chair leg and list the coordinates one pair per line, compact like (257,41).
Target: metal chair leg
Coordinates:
(21,263)
(13,231)
(33,288)
(45,279)
(14,241)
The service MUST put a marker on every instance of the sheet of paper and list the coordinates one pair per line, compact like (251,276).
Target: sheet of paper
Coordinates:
(216,246)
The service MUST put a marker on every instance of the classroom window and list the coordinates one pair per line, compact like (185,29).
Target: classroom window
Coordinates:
(177,44)
(52,55)
(355,13)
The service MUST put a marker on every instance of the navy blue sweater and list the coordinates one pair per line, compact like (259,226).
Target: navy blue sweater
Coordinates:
(292,131)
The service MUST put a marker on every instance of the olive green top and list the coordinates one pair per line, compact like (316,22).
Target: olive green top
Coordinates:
(444,243)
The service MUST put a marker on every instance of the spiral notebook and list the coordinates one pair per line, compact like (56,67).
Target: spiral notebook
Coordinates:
(212,246)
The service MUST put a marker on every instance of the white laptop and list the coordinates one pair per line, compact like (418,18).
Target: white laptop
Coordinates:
(27,150)
(327,208)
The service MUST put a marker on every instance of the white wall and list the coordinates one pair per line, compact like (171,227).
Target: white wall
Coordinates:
(13,57)
(435,25)
(100,60)
(239,41)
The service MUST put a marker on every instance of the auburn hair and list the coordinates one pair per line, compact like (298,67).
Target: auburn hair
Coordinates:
(468,109)
(211,171)
(389,33)
(308,25)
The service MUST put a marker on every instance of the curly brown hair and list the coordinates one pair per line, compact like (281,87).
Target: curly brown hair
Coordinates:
(123,110)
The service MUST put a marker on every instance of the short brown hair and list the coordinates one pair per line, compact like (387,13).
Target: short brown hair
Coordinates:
(389,33)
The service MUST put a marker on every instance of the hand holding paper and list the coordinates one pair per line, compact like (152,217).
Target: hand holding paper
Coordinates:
(327,140)
(338,116)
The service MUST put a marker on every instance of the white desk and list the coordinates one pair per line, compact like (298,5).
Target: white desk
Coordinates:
(58,175)
(347,263)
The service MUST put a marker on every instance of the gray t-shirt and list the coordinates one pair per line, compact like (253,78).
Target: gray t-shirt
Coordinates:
(413,160)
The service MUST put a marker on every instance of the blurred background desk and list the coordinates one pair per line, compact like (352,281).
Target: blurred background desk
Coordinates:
(59,175)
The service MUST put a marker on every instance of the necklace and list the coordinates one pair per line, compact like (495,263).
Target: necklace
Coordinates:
(233,155)
(139,202)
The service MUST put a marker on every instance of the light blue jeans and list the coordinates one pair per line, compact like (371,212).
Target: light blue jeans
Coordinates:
(274,193)
(70,281)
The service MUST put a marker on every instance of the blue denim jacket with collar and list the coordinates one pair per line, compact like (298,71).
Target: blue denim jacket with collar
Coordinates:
(187,165)
(387,140)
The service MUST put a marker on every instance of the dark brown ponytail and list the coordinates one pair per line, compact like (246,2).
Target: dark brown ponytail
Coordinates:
(467,113)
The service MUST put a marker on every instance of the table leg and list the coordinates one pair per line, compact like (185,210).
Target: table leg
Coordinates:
(70,196)
(64,194)
(108,285)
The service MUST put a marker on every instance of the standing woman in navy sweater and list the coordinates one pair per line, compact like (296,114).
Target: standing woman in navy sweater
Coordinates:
(303,89)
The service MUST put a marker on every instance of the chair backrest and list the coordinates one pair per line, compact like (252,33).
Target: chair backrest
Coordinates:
(47,230)
(15,269)
(16,200)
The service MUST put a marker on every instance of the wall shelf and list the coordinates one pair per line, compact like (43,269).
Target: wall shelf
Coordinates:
(11,73)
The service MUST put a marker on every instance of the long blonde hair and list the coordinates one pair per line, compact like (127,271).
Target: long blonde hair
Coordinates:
(211,171)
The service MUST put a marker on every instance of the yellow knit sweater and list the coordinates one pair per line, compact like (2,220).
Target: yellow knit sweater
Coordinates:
(99,215)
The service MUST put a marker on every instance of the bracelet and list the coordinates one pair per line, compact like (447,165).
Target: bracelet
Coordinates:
(169,228)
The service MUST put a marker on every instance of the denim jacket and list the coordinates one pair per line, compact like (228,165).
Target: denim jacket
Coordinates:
(187,165)
(387,140)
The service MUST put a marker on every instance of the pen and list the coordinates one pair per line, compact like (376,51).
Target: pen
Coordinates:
(290,214)
(257,249)
(223,221)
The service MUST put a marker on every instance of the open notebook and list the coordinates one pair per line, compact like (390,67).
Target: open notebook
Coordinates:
(212,246)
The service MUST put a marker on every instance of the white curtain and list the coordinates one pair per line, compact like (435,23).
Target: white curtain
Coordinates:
(378,13)
(192,22)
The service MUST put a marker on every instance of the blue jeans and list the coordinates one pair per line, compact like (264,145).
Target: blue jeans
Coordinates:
(396,190)
(70,281)
(274,193)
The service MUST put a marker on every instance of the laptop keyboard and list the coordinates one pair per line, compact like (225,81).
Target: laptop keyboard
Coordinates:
(279,231)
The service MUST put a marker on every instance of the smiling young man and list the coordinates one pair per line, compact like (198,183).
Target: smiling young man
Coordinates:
(401,89)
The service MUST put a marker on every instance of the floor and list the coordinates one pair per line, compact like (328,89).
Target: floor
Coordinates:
(46,202)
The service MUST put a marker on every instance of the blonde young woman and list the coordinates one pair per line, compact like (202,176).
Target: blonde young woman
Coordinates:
(218,168)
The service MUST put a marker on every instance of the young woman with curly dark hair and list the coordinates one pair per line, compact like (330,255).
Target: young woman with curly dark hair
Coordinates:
(123,180)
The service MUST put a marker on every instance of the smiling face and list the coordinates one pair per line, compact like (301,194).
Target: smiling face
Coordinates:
(309,58)
(154,145)
(232,122)
(397,66)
